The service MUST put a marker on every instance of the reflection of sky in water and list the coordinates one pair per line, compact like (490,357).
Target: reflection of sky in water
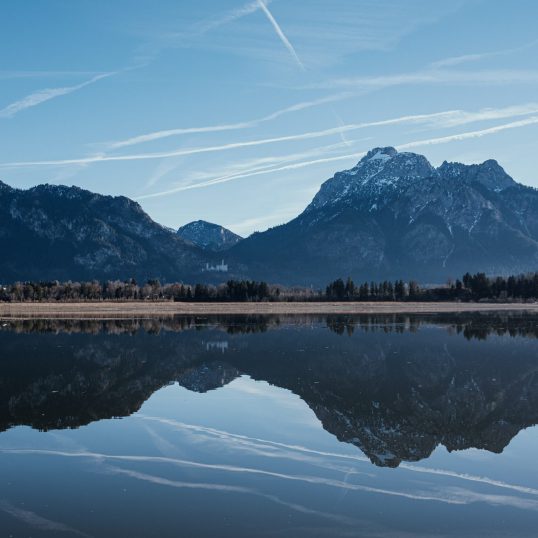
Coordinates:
(251,459)
(251,455)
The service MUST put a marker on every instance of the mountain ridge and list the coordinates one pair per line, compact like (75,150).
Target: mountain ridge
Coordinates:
(68,233)
(393,215)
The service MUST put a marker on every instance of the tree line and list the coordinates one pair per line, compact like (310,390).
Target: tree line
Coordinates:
(471,287)
(371,291)
(130,290)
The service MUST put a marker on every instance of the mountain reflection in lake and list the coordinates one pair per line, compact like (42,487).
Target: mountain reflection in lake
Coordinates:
(370,426)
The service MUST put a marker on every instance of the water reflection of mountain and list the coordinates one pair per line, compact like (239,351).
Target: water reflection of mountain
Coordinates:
(396,387)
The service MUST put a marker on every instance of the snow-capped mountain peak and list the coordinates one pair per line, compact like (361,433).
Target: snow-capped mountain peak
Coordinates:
(380,172)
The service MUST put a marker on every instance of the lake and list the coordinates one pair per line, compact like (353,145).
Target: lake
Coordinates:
(242,426)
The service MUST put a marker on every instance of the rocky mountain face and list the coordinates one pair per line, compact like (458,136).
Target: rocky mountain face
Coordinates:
(394,215)
(66,233)
(396,387)
(208,235)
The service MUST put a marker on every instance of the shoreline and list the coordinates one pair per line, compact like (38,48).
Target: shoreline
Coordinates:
(113,310)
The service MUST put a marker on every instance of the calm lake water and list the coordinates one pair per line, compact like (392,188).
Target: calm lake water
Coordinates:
(393,426)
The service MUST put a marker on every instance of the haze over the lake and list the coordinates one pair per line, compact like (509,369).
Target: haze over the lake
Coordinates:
(193,107)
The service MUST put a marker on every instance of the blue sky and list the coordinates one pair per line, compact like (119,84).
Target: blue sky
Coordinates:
(236,112)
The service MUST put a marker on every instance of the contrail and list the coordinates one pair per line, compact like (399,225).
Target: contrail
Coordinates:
(533,120)
(456,60)
(47,94)
(226,179)
(281,34)
(157,135)
(268,165)
(236,145)
(402,147)
(444,119)
(232,16)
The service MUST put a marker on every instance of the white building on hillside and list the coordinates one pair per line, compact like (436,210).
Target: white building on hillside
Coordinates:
(221,268)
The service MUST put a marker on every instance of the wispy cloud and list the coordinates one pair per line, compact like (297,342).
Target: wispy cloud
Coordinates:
(166,133)
(452,117)
(465,58)
(272,165)
(280,33)
(41,96)
(231,16)
(236,170)
(431,77)
(162,170)
(252,173)
(159,40)
(462,117)
(327,35)
(10,75)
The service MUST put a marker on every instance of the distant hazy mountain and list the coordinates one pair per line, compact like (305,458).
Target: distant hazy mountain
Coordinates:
(54,232)
(208,235)
(394,215)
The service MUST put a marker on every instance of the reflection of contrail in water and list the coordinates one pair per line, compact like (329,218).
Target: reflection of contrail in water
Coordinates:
(458,496)
(187,463)
(233,489)
(407,466)
(36,521)
(470,478)
(246,439)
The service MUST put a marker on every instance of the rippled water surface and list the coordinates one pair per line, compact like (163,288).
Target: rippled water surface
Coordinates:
(394,426)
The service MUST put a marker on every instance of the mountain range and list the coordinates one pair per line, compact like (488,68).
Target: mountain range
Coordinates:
(393,215)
